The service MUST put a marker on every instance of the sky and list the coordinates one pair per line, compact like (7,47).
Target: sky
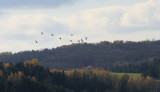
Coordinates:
(22,21)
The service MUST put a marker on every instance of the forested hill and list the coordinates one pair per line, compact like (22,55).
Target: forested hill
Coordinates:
(102,55)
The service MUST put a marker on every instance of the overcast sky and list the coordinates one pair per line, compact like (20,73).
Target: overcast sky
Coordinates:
(22,21)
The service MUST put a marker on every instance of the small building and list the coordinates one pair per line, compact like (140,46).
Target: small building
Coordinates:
(89,67)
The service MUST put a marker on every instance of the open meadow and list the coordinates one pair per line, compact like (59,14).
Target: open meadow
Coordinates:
(137,75)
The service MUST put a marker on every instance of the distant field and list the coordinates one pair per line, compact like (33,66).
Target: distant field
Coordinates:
(137,75)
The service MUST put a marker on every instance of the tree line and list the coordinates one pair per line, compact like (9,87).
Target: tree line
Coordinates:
(30,76)
(101,55)
(148,69)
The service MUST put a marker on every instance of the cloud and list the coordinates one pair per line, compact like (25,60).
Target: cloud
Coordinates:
(116,19)
(21,29)
(142,15)
(27,27)
(19,32)
(33,3)
(112,19)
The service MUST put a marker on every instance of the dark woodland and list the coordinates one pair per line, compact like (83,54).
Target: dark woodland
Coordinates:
(30,76)
(99,55)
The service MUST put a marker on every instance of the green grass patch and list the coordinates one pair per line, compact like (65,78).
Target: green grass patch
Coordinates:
(137,75)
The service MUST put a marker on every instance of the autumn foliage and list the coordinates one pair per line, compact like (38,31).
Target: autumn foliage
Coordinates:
(30,76)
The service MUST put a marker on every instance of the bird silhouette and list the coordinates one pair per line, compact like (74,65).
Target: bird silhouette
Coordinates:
(82,40)
(86,38)
(60,38)
(36,41)
(71,34)
(70,40)
(42,33)
(78,41)
(52,35)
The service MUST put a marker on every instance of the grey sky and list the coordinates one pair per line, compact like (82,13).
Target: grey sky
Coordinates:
(33,3)
(22,21)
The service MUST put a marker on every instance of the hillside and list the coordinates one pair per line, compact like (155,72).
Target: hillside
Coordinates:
(103,54)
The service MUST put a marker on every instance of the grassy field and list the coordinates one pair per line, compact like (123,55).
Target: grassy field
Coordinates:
(137,75)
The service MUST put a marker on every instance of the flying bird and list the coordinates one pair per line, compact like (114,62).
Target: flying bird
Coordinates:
(86,38)
(82,40)
(78,41)
(36,41)
(60,38)
(42,33)
(71,34)
(52,35)
(70,40)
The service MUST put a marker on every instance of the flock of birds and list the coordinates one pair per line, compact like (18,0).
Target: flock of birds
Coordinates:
(79,41)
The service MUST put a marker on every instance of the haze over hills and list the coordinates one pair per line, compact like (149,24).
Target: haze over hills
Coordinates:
(102,55)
